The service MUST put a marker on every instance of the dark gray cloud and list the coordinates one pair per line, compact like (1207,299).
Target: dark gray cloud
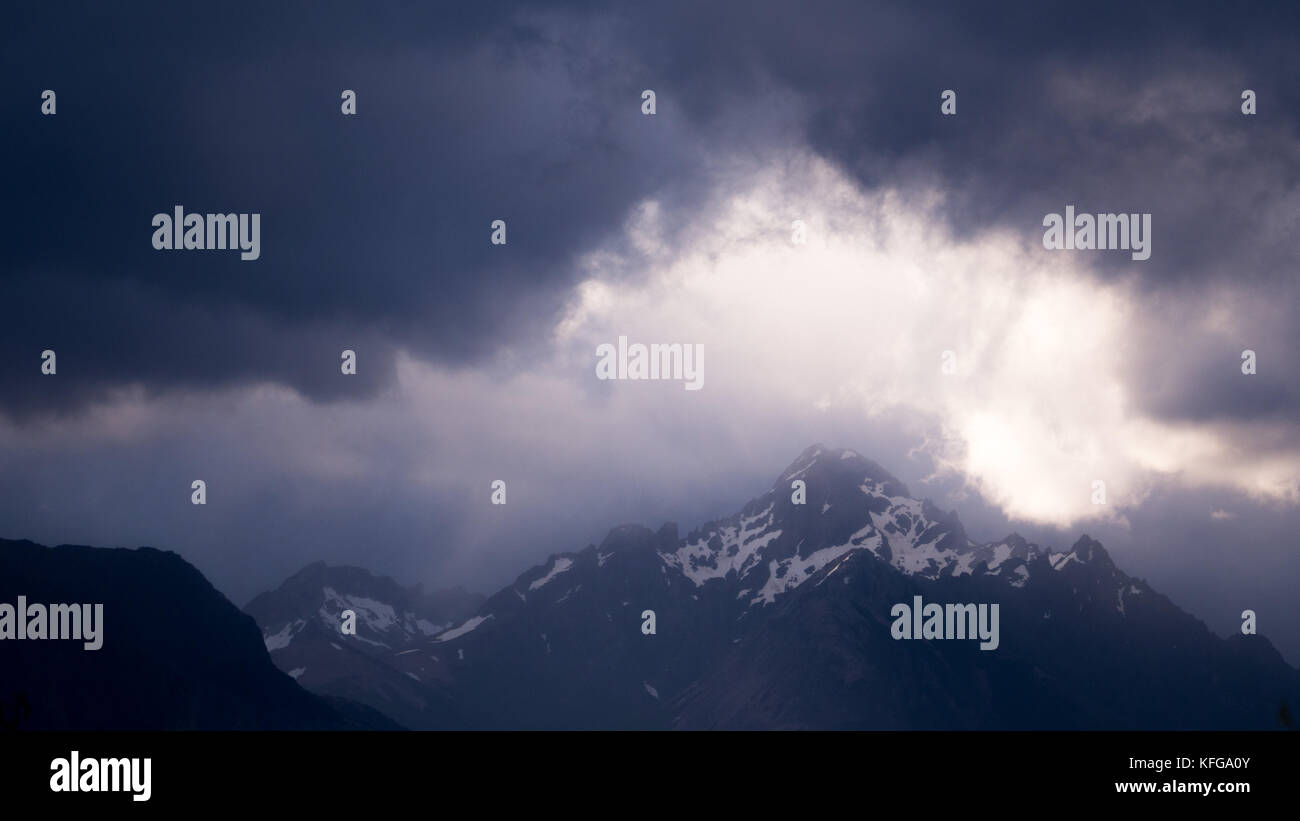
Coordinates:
(375,228)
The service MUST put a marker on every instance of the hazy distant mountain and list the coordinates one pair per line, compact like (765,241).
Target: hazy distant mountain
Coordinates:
(779,617)
(301,624)
(175,654)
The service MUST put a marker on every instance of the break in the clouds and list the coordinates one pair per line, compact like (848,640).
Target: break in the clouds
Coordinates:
(1038,399)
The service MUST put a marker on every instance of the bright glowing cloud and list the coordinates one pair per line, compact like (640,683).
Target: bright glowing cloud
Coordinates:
(1035,407)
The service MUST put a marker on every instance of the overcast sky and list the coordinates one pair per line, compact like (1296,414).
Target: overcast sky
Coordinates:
(476,362)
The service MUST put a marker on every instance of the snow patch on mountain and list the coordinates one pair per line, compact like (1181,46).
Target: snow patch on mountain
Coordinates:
(731,547)
(463,629)
(787,574)
(561,564)
(376,615)
(1001,553)
(281,640)
(1060,560)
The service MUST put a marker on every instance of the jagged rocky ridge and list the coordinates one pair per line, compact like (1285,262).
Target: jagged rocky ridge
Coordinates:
(779,616)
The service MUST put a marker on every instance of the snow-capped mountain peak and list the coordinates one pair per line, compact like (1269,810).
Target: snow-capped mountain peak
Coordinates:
(846,503)
(388,615)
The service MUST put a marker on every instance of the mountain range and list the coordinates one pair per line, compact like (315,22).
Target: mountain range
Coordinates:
(779,617)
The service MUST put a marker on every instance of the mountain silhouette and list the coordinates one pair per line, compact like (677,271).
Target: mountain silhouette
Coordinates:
(175,654)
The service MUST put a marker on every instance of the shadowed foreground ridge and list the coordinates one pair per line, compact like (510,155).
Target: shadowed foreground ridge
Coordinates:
(176,654)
